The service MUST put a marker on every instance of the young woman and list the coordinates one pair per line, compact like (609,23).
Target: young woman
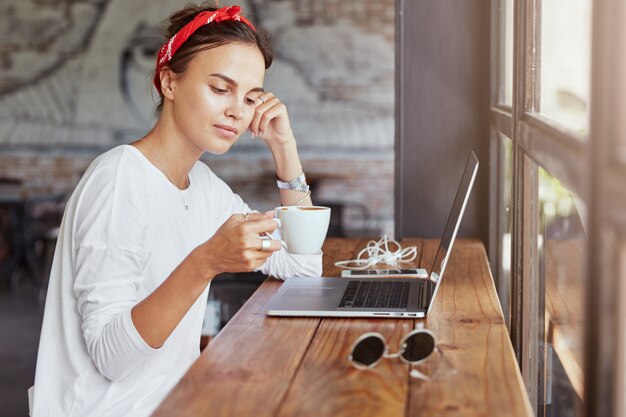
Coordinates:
(149,226)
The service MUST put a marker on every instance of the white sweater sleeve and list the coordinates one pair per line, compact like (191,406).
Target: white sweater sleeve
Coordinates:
(108,241)
(281,264)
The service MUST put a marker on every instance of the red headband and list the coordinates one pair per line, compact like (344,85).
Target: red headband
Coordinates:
(168,50)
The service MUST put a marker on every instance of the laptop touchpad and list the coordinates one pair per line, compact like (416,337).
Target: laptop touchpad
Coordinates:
(309,292)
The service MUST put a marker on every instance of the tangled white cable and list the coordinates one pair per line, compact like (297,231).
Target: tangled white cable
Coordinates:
(378,252)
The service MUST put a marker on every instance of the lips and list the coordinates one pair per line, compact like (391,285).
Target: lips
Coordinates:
(227,130)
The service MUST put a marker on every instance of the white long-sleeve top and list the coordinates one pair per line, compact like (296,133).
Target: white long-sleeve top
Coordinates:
(124,231)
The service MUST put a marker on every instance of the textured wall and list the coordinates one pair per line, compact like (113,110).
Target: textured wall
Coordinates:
(75,81)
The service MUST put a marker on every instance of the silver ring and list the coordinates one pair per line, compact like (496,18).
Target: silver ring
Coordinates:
(261,98)
(245,217)
(265,245)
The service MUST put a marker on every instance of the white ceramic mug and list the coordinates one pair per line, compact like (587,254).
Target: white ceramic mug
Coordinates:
(303,228)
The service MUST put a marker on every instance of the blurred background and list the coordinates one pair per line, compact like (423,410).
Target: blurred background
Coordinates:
(75,81)
(386,98)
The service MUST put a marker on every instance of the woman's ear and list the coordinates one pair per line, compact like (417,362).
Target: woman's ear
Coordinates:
(168,83)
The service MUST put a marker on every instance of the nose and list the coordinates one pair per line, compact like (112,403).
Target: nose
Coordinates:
(236,109)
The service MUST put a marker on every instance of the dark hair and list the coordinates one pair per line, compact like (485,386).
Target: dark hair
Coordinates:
(210,36)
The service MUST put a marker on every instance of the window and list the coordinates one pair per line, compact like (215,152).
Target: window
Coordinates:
(565,62)
(505,220)
(559,146)
(562,243)
(621,357)
(620,104)
(505,53)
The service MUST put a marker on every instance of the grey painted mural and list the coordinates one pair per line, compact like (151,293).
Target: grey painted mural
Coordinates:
(77,74)
(76,79)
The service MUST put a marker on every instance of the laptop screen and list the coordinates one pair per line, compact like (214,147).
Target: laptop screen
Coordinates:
(454,219)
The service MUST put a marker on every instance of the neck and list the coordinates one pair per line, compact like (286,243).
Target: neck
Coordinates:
(175,152)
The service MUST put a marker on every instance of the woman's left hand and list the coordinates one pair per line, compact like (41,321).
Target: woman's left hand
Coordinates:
(271,121)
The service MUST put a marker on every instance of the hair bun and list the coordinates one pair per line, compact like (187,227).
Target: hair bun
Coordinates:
(180,18)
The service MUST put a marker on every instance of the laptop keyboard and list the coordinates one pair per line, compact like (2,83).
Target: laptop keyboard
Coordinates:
(376,294)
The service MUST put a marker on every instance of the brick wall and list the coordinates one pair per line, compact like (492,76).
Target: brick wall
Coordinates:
(370,16)
(75,82)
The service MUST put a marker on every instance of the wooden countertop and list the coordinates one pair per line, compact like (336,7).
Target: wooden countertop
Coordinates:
(267,366)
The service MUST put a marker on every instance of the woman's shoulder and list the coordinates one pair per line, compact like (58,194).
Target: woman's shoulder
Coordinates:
(121,154)
(116,169)
(124,159)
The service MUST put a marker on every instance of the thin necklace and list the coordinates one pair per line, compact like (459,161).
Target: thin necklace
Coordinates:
(185,202)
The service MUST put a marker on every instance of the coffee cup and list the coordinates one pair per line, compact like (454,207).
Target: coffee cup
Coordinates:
(303,228)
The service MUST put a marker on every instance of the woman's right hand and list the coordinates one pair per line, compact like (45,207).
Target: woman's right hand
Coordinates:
(236,245)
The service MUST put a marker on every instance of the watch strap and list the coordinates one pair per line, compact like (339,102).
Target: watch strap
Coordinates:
(297,184)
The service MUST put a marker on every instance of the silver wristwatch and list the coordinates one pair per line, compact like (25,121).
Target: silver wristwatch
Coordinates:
(298,184)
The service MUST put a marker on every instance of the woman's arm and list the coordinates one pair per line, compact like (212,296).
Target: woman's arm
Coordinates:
(288,167)
(271,124)
(235,247)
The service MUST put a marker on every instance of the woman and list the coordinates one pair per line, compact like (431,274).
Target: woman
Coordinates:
(149,226)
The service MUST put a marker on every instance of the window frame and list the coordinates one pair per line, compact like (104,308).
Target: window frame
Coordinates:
(591,166)
(607,212)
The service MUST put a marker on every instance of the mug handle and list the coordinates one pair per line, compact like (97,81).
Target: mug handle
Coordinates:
(282,242)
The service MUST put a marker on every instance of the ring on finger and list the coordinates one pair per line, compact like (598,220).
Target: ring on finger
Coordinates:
(261,98)
(245,217)
(265,245)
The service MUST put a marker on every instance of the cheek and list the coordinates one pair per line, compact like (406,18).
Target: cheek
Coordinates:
(205,109)
(209,102)
(248,116)
(194,101)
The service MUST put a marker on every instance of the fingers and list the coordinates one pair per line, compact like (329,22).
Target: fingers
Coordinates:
(252,220)
(268,107)
(259,226)
(254,216)
(251,226)
(255,257)
(249,217)
(240,242)
(263,103)
(271,113)
(269,245)
(252,259)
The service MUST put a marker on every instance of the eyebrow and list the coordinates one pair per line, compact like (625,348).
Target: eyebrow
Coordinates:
(233,82)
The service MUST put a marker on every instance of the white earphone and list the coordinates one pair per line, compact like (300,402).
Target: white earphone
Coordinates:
(379,252)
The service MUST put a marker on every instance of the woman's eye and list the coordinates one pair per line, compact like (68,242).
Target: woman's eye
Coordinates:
(219,90)
(249,100)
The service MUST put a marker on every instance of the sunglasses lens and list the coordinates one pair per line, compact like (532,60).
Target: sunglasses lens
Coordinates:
(418,346)
(368,351)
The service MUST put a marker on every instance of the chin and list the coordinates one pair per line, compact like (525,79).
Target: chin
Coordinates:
(219,148)
(216,152)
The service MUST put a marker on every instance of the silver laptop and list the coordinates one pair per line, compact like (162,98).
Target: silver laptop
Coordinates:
(375,297)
